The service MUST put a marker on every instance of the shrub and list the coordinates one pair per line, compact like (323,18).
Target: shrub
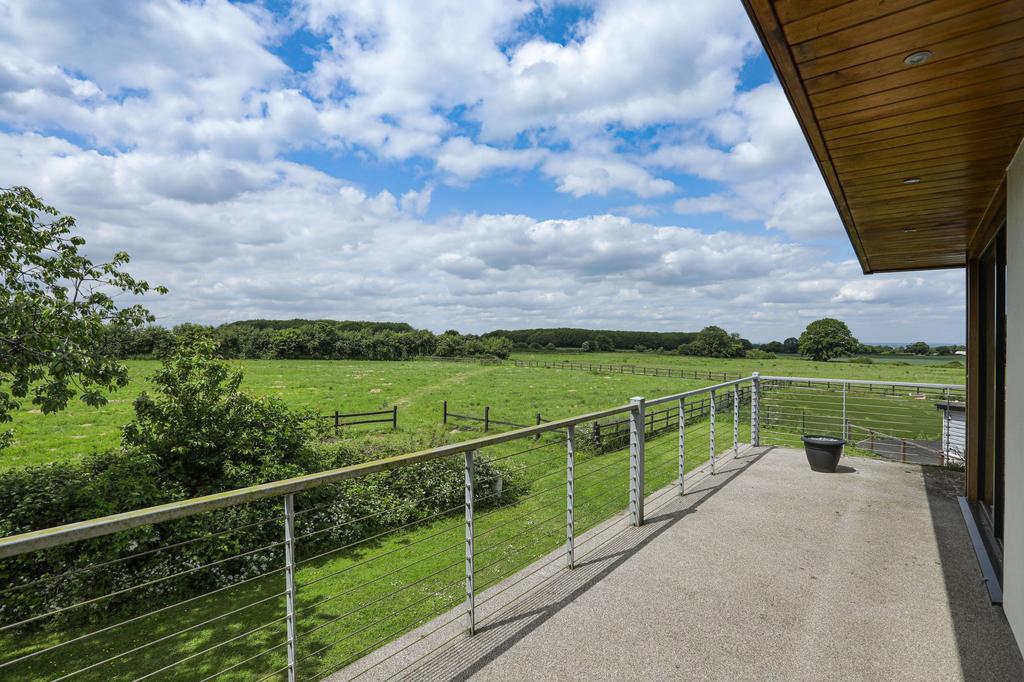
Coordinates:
(756,354)
(205,434)
(862,360)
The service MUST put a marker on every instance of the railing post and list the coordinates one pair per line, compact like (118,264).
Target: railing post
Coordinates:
(470,592)
(487,417)
(711,436)
(682,442)
(735,419)
(570,496)
(394,417)
(755,410)
(537,437)
(444,416)
(636,462)
(289,581)
(845,426)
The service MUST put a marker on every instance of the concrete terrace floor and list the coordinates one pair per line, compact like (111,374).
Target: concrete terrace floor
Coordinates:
(764,571)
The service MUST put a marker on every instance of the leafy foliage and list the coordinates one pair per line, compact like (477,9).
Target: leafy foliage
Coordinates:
(919,348)
(827,338)
(205,433)
(56,310)
(316,340)
(599,339)
(758,354)
(714,342)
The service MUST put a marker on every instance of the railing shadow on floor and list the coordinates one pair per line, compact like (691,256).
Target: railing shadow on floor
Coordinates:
(526,609)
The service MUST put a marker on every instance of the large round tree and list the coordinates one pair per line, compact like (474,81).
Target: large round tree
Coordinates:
(827,338)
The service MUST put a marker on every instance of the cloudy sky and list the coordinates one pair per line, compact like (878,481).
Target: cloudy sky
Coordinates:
(495,163)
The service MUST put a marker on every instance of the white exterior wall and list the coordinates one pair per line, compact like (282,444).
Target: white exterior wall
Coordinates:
(1013,514)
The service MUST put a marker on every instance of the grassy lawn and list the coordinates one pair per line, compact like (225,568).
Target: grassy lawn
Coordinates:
(418,388)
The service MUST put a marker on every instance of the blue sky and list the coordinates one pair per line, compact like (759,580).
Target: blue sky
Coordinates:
(502,163)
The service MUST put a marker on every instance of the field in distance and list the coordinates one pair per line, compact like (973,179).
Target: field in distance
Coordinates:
(514,394)
(925,369)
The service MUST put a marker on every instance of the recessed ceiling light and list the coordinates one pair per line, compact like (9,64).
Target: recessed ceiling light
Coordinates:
(911,181)
(915,58)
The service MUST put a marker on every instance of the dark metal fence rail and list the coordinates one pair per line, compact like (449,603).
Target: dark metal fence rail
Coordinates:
(382,417)
(486,418)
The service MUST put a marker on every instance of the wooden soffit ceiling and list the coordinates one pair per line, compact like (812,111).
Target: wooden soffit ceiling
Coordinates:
(873,121)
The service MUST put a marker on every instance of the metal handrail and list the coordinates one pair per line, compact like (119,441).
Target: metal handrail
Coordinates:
(864,382)
(83,530)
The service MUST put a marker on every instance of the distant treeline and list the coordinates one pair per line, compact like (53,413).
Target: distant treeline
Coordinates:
(313,340)
(596,339)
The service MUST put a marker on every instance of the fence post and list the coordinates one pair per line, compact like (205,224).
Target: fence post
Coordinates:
(394,417)
(444,418)
(735,419)
(289,581)
(711,445)
(537,437)
(682,442)
(570,496)
(337,421)
(636,462)
(755,410)
(470,592)
(487,417)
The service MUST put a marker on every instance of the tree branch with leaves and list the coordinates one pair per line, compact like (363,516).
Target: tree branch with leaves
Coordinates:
(57,311)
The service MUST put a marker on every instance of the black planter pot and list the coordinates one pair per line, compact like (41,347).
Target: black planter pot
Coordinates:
(823,452)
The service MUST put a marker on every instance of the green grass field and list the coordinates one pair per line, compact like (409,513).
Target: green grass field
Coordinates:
(926,372)
(418,388)
(355,599)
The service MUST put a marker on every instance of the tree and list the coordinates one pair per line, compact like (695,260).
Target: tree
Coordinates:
(204,432)
(791,345)
(714,342)
(57,311)
(827,338)
(919,348)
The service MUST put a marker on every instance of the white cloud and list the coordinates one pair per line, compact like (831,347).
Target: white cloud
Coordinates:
(300,243)
(178,119)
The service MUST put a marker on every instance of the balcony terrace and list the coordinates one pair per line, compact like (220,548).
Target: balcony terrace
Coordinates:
(766,570)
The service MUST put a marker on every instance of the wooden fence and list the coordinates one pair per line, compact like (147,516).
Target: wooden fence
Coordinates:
(382,417)
(639,370)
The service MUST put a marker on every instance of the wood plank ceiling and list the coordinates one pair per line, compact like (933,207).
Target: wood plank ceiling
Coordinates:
(949,125)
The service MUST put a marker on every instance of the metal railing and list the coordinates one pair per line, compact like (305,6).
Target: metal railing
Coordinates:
(306,587)
(904,421)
